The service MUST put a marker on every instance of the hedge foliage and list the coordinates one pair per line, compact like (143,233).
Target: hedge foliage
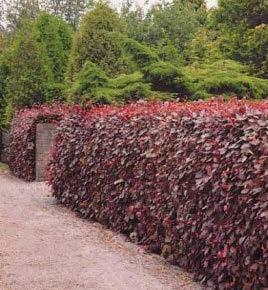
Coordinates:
(22,136)
(188,181)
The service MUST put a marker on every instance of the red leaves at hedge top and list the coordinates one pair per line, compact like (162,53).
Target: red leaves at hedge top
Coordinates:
(22,137)
(189,181)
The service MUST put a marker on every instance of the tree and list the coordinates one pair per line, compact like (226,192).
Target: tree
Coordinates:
(204,47)
(69,10)
(248,13)
(134,17)
(98,41)
(4,71)
(28,71)
(15,10)
(2,42)
(243,25)
(55,35)
(256,50)
(195,4)
(173,23)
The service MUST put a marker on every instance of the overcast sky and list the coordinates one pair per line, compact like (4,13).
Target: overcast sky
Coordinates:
(211,3)
(116,3)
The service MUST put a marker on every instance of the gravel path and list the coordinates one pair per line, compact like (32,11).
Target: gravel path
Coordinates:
(44,246)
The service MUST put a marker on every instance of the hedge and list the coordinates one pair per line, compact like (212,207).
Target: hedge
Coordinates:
(188,181)
(22,136)
(1,142)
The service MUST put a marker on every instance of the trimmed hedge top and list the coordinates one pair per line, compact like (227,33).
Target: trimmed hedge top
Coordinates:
(188,181)
(22,136)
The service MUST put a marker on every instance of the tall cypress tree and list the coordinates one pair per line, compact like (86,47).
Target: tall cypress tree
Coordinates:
(56,37)
(28,70)
(97,40)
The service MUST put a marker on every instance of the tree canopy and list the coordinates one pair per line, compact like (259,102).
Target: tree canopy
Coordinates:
(98,41)
(244,29)
(28,72)
(55,35)
(76,51)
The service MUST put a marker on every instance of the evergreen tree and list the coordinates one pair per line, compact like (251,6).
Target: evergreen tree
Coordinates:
(98,41)
(173,24)
(29,72)
(244,27)
(56,36)
(69,10)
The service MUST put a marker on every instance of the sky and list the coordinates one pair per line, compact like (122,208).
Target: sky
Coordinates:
(210,3)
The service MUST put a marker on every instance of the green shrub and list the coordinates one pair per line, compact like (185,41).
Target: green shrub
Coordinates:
(200,95)
(3,41)
(135,91)
(162,96)
(169,53)
(173,22)
(126,88)
(244,27)
(131,92)
(164,76)
(93,84)
(223,77)
(124,80)
(56,92)
(141,54)
(87,81)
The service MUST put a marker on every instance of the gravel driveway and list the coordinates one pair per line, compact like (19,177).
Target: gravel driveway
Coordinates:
(44,246)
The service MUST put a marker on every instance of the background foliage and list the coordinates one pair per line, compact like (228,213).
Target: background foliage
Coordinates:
(77,51)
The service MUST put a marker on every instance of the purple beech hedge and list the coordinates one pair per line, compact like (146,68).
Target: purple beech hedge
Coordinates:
(188,181)
(23,136)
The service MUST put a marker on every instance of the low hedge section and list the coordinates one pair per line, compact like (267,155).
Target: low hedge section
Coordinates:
(188,181)
(22,136)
